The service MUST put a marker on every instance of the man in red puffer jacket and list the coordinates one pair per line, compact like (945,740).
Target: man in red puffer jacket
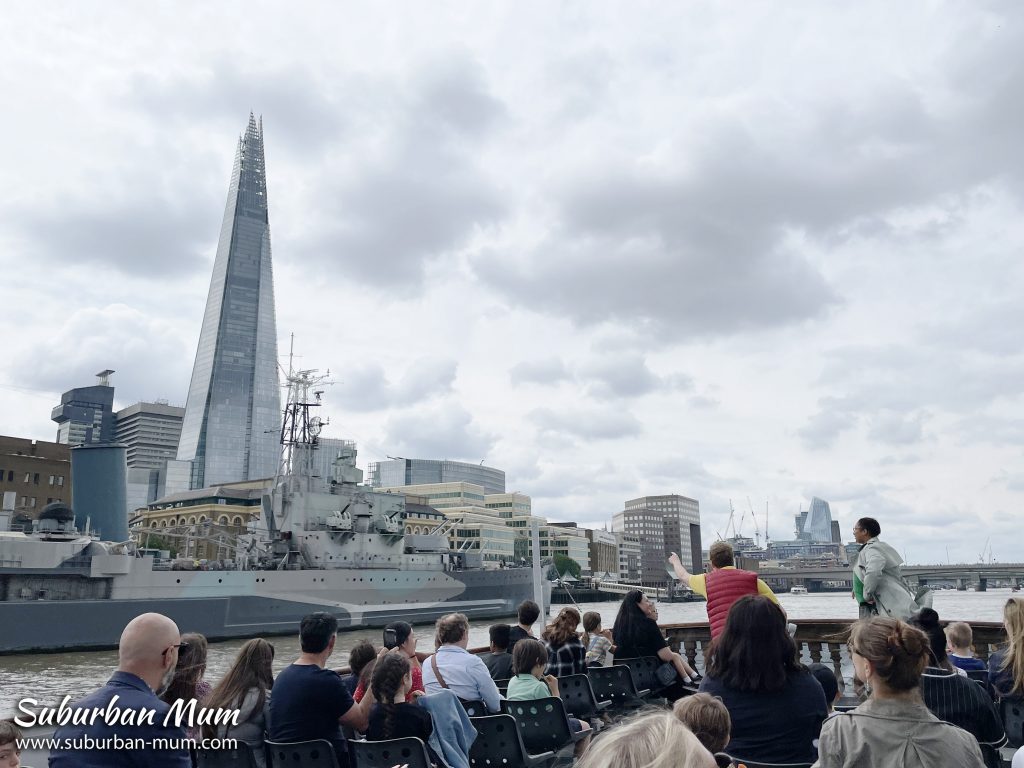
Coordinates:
(723,586)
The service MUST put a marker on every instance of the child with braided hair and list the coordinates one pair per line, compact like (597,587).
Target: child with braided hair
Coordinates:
(392,717)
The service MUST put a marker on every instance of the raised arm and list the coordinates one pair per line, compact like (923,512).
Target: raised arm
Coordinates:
(677,565)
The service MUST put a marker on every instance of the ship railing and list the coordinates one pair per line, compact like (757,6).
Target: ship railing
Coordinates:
(820,641)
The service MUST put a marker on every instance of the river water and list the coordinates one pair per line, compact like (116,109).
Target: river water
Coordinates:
(49,677)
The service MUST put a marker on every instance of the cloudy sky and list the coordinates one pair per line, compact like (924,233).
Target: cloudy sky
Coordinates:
(733,251)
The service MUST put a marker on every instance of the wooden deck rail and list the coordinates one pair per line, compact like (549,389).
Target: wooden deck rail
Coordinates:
(823,640)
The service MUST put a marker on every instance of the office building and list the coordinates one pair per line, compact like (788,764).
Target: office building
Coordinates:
(815,524)
(630,556)
(604,553)
(150,433)
(232,423)
(86,414)
(34,473)
(397,472)
(665,524)
(567,540)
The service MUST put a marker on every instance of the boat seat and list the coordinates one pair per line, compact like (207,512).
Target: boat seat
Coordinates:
(542,723)
(499,743)
(239,757)
(502,686)
(739,762)
(318,753)
(408,752)
(644,673)
(615,684)
(578,697)
(474,707)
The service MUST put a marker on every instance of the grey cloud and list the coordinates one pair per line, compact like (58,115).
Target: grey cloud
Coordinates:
(703,402)
(687,473)
(367,387)
(618,376)
(413,189)
(894,387)
(897,428)
(899,461)
(443,431)
(299,104)
(607,376)
(586,423)
(708,243)
(824,427)
(138,230)
(990,428)
(551,370)
(149,359)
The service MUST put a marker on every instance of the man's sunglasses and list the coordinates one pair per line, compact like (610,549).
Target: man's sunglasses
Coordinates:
(176,645)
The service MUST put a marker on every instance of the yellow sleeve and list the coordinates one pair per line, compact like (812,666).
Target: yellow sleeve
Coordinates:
(764,589)
(697,584)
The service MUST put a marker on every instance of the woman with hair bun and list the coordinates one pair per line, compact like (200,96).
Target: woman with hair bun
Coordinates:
(893,728)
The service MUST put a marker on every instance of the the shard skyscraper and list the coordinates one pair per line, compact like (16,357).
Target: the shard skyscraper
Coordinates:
(232,420)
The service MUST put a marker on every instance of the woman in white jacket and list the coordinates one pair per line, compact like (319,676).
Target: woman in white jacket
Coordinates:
(883,591)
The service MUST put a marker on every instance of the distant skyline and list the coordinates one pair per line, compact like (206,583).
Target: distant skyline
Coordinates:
(762,251)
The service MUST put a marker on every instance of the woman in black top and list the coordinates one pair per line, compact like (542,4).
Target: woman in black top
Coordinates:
(776,706)
(637,634)
(392,717)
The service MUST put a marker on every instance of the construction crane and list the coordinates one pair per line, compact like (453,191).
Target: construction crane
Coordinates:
(757,530)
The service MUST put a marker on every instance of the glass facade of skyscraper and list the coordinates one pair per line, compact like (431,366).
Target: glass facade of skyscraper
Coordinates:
(397,472)
(816,523)
(232,424)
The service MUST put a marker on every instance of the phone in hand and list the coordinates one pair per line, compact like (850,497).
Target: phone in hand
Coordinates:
(390,639)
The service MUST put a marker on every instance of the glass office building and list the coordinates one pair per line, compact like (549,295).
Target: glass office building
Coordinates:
(815,524)
(398,472)
(232,424)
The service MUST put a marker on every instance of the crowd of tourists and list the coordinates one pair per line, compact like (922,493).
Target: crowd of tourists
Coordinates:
(755,703)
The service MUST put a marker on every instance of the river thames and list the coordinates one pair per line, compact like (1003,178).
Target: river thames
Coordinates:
(51,676)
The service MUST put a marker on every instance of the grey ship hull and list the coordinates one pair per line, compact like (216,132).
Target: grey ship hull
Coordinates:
(218,604)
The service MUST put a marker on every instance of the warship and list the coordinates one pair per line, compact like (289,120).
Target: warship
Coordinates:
(320,544)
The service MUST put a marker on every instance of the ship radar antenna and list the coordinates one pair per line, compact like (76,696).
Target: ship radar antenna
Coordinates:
(300,430)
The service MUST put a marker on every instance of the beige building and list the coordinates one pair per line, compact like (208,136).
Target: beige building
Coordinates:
(200,524)
(494,525)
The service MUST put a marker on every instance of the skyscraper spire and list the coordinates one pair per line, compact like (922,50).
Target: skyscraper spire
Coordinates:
(233,413)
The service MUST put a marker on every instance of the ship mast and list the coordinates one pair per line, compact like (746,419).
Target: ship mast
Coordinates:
(300,431)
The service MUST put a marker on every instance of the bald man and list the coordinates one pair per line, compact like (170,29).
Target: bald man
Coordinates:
(147,654)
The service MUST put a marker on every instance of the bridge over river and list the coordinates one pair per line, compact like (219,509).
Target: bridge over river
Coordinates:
(977,575)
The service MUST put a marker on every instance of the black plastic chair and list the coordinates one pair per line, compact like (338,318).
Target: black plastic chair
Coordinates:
(615,684)
(408,752)
(318,753)
(980,676)
(499,743)
(474,708)
(645,675)
(578,697)
(543,724)
(1011,712)
(755,764)
(502,686)
(239,757)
